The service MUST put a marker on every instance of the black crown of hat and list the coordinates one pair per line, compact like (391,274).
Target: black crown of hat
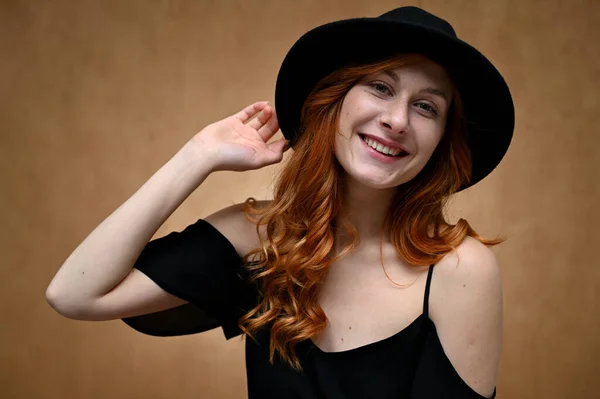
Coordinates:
(418,16)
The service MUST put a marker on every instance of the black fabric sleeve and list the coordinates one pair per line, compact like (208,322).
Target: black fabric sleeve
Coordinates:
(436,377)
(200,265)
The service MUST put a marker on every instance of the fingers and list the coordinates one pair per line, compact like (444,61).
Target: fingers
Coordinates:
(262,118)
(270,128)
(250,111)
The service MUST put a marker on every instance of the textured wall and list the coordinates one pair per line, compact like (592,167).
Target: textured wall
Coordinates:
(96,95)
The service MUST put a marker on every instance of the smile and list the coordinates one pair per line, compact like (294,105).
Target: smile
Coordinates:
(380,152)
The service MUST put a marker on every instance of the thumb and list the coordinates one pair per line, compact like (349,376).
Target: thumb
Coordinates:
(280,146)
(276,150)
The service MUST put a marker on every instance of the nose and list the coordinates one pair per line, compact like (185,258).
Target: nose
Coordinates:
(394,118)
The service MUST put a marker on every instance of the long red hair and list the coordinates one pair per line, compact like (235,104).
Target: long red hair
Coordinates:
(300,230)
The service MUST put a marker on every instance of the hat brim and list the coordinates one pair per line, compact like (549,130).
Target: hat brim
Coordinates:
(488,105)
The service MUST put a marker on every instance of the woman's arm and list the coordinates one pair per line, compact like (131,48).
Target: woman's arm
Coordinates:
(97,282)
(466,307)
(108,253)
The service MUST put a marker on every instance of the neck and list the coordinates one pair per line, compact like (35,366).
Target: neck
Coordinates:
(365,208)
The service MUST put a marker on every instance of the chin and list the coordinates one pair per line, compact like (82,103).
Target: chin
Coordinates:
(373,182)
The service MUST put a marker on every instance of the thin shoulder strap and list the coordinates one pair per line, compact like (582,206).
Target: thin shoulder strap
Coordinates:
(427,287)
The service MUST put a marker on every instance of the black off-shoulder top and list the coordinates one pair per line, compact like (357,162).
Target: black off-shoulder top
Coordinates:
(201,266)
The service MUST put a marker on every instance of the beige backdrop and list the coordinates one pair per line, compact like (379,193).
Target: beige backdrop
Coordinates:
(96,95)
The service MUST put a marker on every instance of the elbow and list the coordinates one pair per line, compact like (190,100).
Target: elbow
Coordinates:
(63,304)
(56,302)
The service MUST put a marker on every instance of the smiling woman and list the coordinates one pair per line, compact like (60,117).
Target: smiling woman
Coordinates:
(356,200)
(332,281)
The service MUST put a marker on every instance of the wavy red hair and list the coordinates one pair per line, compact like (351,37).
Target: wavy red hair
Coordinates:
(300,230)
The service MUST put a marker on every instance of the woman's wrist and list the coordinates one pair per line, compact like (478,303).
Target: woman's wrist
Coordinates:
(196,159)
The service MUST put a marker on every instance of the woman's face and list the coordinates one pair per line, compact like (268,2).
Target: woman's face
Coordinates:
(405,108)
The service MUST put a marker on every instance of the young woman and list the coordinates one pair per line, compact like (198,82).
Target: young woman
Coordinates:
(333,280)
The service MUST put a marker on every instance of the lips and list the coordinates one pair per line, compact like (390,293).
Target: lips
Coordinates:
(385,142)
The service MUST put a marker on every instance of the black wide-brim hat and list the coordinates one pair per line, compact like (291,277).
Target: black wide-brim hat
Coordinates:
(487,102)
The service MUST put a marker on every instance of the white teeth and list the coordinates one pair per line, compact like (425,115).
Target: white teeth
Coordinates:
(381,148)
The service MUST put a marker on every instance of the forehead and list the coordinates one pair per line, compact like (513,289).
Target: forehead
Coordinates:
(421,72)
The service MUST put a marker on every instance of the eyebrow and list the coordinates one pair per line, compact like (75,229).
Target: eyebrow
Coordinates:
(435,92)
(430,90)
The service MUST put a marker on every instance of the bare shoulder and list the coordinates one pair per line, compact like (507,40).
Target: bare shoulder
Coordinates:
(466,307)
(232,222)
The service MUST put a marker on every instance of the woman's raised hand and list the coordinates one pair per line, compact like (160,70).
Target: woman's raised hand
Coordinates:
(239,142)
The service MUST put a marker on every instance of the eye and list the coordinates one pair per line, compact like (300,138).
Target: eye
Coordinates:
(381,88)
(427,107)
